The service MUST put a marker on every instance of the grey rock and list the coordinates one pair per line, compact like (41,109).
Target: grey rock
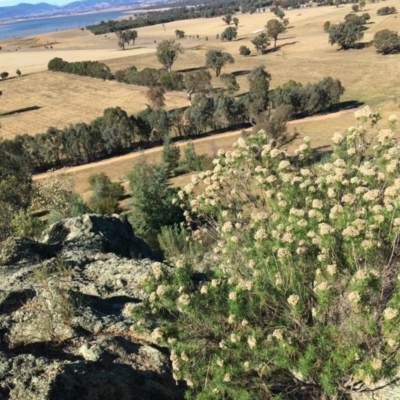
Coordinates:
(66,330)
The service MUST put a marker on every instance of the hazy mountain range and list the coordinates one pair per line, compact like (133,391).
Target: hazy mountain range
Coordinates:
(24,10)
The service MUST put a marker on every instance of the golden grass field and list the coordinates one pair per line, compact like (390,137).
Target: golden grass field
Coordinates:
(304,55)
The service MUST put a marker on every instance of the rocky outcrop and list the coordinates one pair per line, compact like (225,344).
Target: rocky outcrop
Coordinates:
(66,329)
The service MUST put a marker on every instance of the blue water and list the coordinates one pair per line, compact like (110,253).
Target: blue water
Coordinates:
(36,26)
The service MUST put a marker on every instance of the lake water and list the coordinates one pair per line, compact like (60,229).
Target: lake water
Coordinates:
(36,26)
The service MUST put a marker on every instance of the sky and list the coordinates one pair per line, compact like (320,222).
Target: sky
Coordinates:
(6,3)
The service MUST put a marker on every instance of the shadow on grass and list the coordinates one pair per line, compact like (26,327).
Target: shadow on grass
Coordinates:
(191,69)
(241,72)
(348,105)
(20,110)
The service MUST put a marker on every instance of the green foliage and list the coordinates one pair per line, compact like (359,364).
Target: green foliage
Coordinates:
(227,19)
(152,201)
(358,20)
(216,59)
(244,51)
(171,80)
(229,34)
(261,42)
(179,34)
(230,81)
(25,224)
(125,37)
(309,99)
(355,7)
(387,41)
(15,183)
(235,21)
(190,156)
(93,69)
(345,34)
(274,29)
(170,153)
(106,194)
(327,25)
(167,53)
(299,297)
(386,10)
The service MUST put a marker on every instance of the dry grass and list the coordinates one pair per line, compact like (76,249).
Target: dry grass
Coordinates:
(64,99)
(304,55)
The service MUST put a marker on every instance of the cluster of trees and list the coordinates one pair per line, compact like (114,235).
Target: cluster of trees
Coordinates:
(386,10)
(186,10)
(124,37)
(347,33)
(387,41)
(310,99)
(357,19)
(93,69)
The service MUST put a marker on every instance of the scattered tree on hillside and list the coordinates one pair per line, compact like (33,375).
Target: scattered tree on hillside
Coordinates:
(345,34)
(179,34)
(355,7)
(279,12)
(361,4)
(216,59)
(4,75)
(261,42)
(236,21)
(386,10)
(327,25)
(196,81)
(387,41)
(167,52)
(244,51)
(227,19)
(229,34)
(122,39)
(156,96)
(18,72)
(274,29)
(285,23)
(230,81)
(171,80)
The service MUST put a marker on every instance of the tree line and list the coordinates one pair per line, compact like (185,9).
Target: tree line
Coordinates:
(205,10)
(93,69)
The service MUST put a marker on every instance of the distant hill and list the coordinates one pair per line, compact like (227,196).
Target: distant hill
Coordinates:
(24,10)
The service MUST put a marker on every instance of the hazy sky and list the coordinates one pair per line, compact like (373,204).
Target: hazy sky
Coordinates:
(4,3)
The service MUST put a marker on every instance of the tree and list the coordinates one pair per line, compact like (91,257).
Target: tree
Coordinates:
(345,34)
(386,10)
(216,59)
(227,19)
(285,22)
(167,53)
(230,81)
(4,75)
(355,7)
(106,194)
(170,154)
(179,34)
(258,96)
(171,80)
(244,51)
(16,187)
(156,96)
(387,41)
(236,21)
(261,42)
(123,38)
(361,4)
(274,29)
(303,305)
(133,35)
(152,201)
(196,81)
(327,25)
(279,13)
(229,34)
(18,72)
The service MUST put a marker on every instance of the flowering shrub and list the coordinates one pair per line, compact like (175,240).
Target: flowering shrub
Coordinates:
(302,293)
